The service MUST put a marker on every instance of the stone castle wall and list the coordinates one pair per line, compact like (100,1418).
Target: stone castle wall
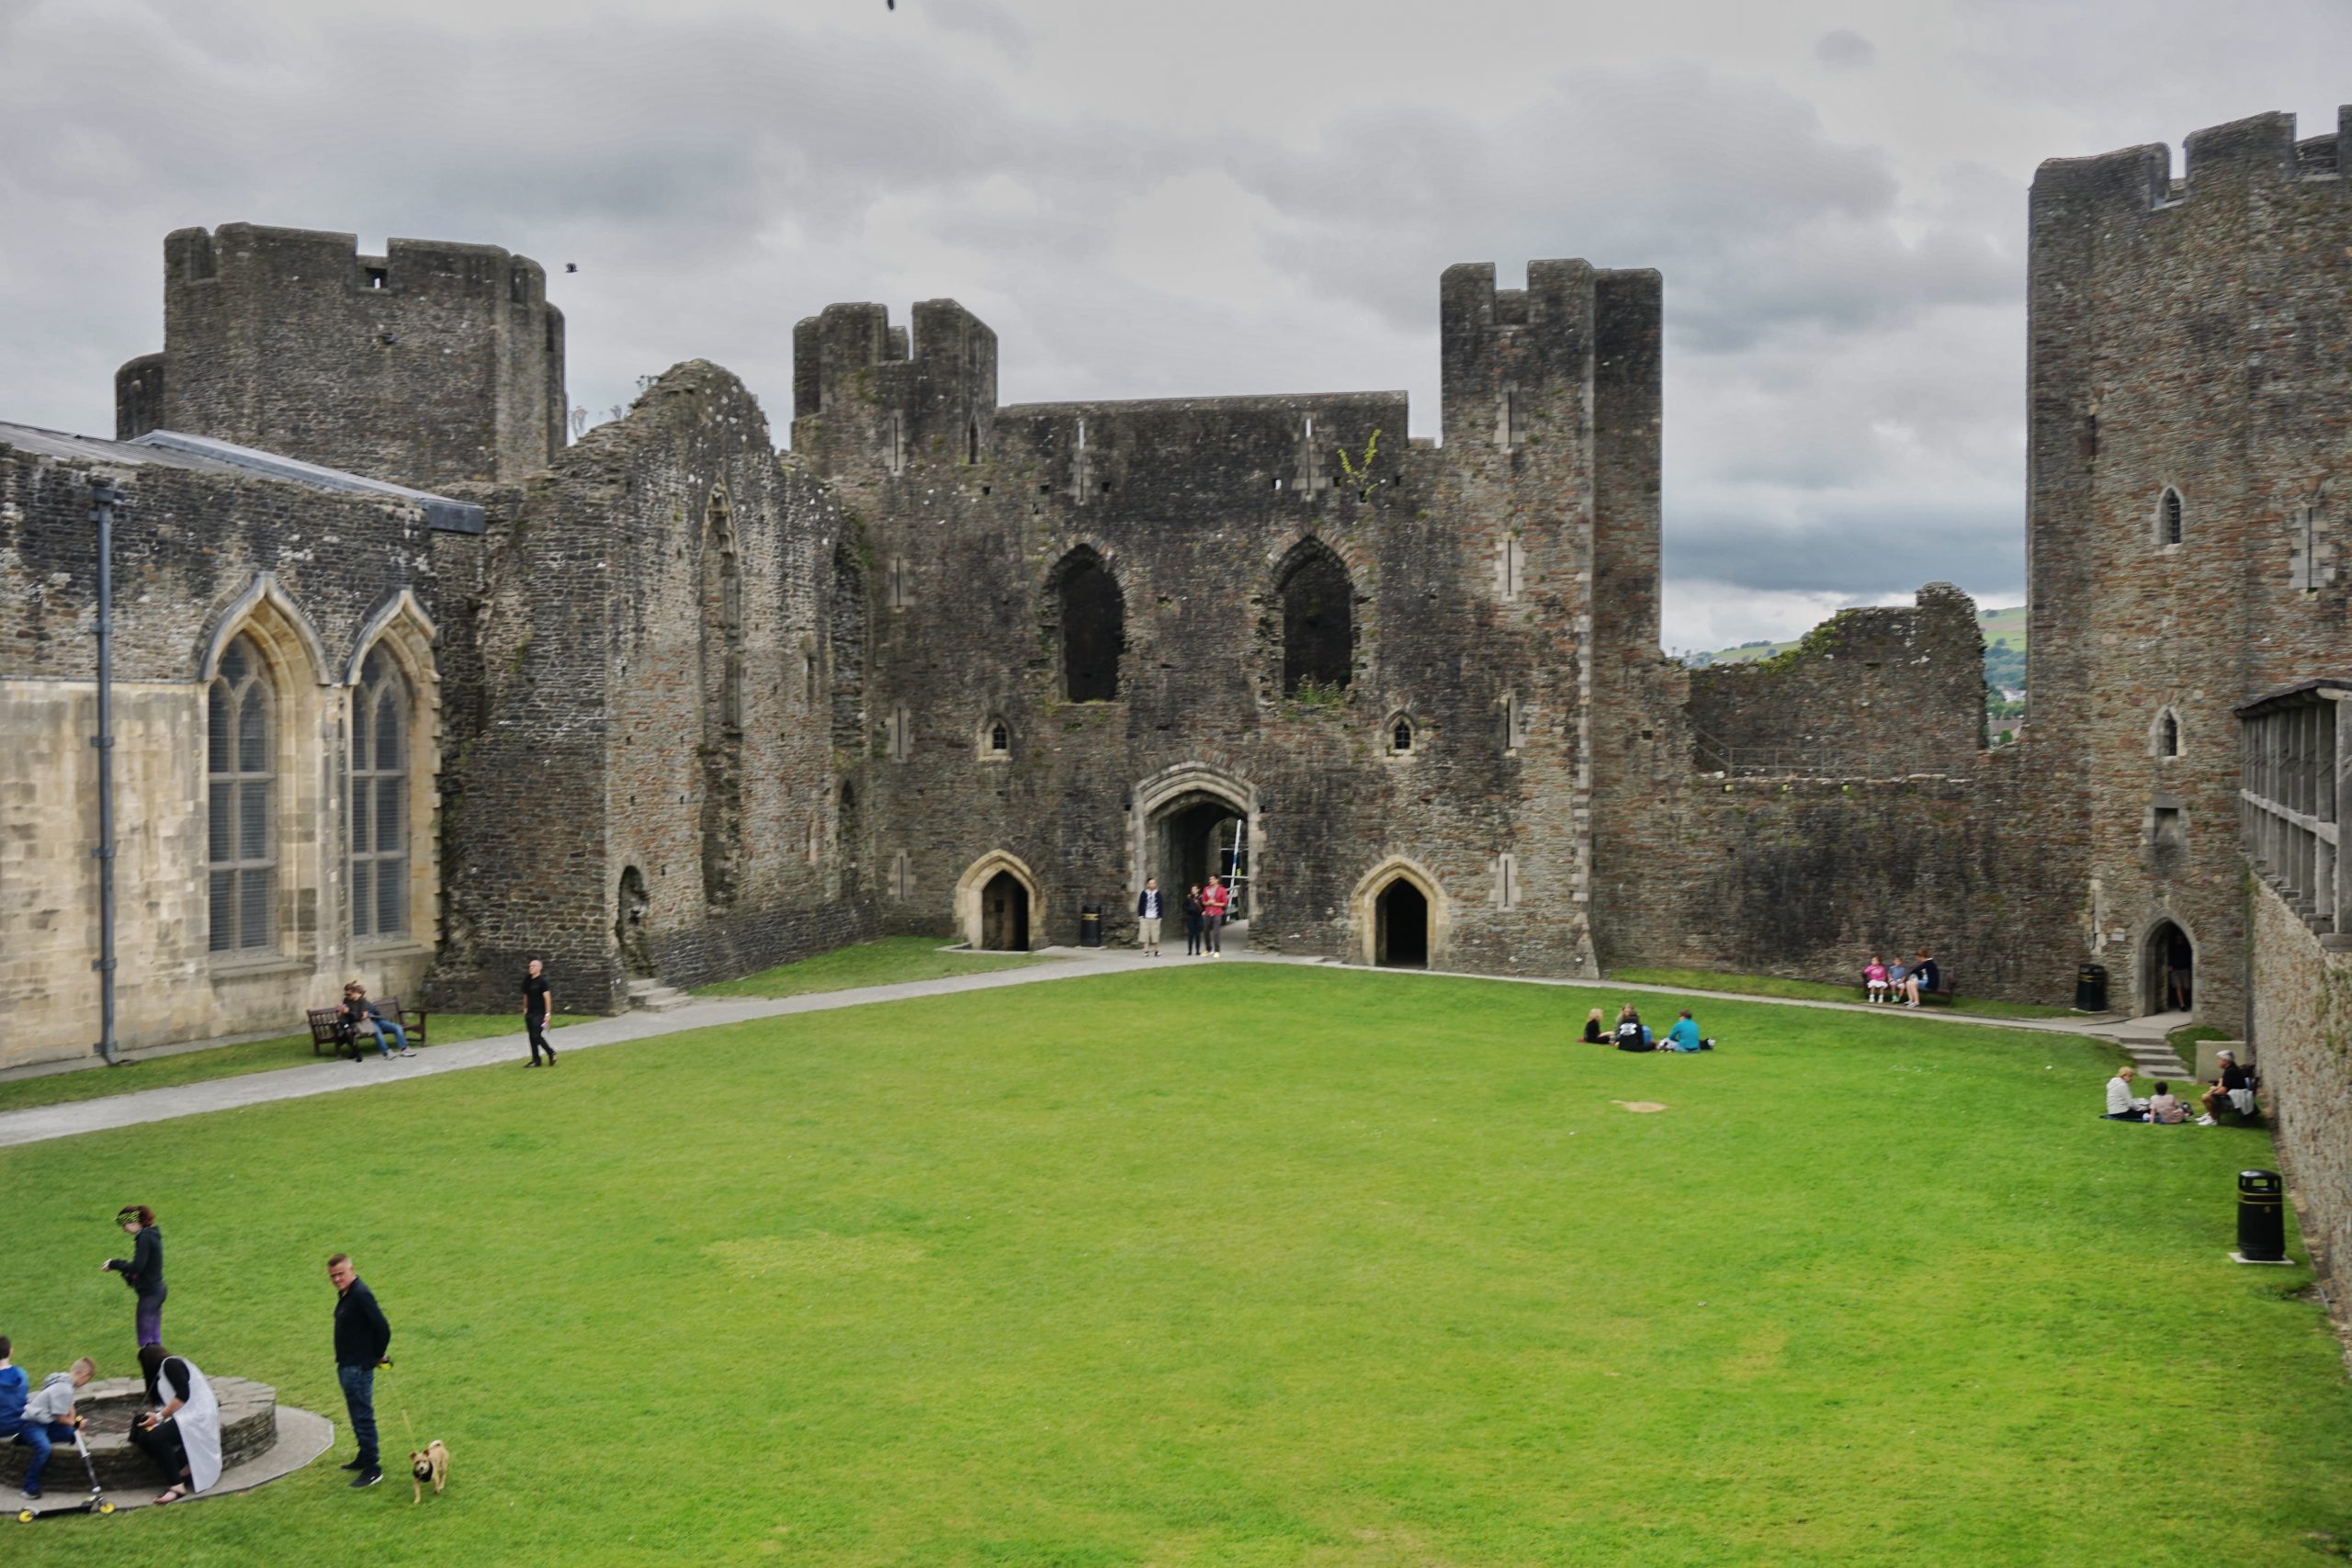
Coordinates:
(1469,570)
(666,557)
(2301,1037)
(1877,692)
(433,365)
(190,547)
(2189,335)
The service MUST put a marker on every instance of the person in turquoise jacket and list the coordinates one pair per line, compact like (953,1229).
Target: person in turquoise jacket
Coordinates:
(1683,1036)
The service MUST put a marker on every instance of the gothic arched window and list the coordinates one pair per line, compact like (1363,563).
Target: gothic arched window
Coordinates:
(241,745)
(2168,527)
(378,824)
(1319,623)
(1093,627)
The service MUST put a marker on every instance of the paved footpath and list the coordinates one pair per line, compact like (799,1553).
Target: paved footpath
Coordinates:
(40,1124)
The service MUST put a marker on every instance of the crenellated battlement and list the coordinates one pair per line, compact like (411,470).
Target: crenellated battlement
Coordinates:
(1504,351)
(865,391)
(238,256)
(2260,148)
(433,364)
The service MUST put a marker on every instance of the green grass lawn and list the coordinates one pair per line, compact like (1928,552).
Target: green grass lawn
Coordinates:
(1816,991)
(232,1061)
(1254,1265)
(887,962)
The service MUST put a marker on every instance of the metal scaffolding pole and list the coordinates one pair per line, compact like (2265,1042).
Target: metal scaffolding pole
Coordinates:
(103,499)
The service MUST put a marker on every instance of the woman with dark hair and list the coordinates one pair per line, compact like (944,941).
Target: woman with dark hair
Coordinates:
(182,1433)
(143,1271)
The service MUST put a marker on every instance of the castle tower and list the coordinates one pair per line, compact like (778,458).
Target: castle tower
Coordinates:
(867,402)
(2190,377)
(432,365)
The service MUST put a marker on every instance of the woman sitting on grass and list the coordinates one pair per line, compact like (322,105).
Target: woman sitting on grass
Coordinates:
(1631,1035)
(2165,1107)
(1595,1031)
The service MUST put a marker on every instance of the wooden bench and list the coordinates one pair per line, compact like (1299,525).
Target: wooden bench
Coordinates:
(328,1029)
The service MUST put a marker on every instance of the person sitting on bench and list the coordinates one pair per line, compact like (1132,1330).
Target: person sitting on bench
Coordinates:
(1925,977)
(48,1418)
(2234,1091)
(366,1018)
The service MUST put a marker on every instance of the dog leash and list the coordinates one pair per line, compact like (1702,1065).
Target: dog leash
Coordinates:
(387,1364)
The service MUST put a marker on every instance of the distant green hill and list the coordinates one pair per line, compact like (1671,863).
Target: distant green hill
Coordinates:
(2004,658)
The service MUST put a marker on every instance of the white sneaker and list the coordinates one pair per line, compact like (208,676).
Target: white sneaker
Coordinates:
(2207,1122)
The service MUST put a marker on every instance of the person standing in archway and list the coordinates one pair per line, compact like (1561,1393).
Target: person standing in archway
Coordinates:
(1215,901)
(539,1000)
(1147,912)
(1193,922)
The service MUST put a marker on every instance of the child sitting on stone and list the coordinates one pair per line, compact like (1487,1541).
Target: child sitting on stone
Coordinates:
(48,1418)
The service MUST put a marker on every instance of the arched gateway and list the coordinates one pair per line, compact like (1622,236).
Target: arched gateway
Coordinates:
(1187,822)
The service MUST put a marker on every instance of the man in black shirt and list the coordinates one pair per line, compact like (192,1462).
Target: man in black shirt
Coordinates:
(361,1337)
(538,1000)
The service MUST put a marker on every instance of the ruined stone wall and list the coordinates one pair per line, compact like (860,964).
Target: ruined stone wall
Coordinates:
(1470,567)
(2188,335)
(190,548)
(2301,1037)
(606,668)
(1875,692)
(433,365)
(1807,878)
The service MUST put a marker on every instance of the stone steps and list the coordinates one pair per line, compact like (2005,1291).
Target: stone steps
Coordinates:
(653,996)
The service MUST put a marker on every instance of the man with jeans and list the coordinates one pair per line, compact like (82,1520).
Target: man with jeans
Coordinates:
(361,1337)
(48,1418)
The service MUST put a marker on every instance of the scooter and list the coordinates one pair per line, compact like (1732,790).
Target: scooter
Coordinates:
(97,1501)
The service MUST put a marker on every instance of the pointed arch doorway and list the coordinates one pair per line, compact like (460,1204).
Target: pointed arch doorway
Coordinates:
(1189,820)
(2167,970)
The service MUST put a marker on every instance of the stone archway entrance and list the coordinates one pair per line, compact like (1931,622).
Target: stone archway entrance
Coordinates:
(1398,917)
(1188,820)
(2167,970)
(628,928)
(1004,914)
(1401,927)
(999,906)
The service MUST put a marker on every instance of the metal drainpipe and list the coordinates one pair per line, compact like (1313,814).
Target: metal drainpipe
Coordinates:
(103,497)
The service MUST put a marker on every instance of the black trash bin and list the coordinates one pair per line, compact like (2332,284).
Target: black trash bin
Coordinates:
(1090,925)
(2090,989)
(2262,1216)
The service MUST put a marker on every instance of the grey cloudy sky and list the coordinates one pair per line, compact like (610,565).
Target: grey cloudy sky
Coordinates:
(1219,196)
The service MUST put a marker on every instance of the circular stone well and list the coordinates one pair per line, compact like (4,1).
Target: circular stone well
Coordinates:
(248,1429)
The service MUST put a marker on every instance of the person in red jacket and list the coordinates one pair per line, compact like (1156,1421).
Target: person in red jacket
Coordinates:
(1214,901)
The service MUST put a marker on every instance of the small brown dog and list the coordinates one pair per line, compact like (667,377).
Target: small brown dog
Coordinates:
(432,1464)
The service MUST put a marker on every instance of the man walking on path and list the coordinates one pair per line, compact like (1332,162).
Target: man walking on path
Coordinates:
(1148,918)
(538,1000)
(361,1337)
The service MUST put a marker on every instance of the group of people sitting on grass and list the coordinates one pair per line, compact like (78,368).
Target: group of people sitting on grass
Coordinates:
(1632,1034)
(2231,1094)
(1901,983)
